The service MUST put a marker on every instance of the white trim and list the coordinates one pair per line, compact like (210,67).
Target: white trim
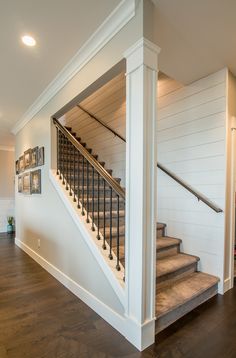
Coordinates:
(118,18)
(116,320)
(129,328)
(7,148)
(108,267)
(227,285)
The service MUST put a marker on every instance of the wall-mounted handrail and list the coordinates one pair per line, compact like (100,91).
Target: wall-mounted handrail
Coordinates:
(188,187)
(95,164)
(198,195)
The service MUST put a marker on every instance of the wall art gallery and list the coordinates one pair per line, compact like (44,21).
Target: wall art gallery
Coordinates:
(29,182)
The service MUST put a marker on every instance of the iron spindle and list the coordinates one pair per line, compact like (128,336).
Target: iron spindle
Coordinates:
(83,213)
(57,151)
(110,243)
(87,184)
(67,164)
(104,214)
(78,177)
(118,235)
(93,228)
(98,198)
(63,159)
(74,152)
(70,171)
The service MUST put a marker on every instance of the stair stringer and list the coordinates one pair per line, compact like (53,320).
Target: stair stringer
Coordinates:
(114,277)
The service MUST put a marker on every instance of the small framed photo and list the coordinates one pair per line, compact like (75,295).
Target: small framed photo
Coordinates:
(21,165)
(17,166)
(27,158)
(35,180)
(41,156)
(20,184)
(34,157)
(26,184)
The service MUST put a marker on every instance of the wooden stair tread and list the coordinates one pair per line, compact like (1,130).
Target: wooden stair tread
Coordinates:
(182,291)
(174,263)
(167,241)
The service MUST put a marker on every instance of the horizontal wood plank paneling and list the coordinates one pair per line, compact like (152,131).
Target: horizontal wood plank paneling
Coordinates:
(191,140)
(109,105)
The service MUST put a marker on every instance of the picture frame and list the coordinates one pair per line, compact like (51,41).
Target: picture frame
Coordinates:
(17,167)
(27,158)
(35,181)
(21,164)
(26,184)
(34,157)
(20,184)
(41,156)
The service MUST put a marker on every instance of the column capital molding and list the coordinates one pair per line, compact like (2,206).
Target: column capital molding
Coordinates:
(143,52)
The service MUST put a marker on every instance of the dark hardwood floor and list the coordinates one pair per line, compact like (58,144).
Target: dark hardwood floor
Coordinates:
(39,318)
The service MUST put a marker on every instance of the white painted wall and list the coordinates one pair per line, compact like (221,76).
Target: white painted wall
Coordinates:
(191,132)
(44,217)
(7,193)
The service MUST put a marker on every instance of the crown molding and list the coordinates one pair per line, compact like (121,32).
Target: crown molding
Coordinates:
(7,148)
(118,18)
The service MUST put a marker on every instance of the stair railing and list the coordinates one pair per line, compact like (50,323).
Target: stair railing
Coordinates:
(197,194)
(97,193)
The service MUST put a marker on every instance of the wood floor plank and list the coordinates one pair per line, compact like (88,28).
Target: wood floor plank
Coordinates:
(40,318)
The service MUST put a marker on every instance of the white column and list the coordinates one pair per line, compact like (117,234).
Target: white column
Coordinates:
(141,83)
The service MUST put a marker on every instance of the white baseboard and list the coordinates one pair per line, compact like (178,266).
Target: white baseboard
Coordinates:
(140,337)
(228,284)
(113,318)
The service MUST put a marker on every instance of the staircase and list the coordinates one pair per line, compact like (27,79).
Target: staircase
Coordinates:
(180,286)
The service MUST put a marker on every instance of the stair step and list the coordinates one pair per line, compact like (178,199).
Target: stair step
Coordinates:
(177,299)
(167,246)
(172,268)
(160,229)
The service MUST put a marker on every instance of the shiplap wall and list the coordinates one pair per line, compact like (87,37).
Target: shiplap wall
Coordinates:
(109,105)
(191,135)
(191,141)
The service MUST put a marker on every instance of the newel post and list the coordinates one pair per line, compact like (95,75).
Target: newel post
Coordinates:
(141,84)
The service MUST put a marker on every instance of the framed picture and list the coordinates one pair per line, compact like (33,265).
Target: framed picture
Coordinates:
(17,166)
(34,157)
(41,156)
(26,183)
(20,184)
(35,180)
(27,159)
(21,165)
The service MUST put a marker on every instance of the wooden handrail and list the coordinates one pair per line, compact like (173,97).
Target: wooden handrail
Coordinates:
(95,164)
(198,195)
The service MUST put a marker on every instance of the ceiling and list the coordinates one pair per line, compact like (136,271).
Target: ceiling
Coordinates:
(59,29)
(197,37)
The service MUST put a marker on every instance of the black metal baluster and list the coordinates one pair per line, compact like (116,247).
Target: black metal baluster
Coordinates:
(93,228)
(57,151)
(78,178)
(87,184)
(118,235)
(104,215)
(70,171)
(110,243)
(83,213)
(98,198)
(60,154)
(74,181)
(63,159)
(67,165)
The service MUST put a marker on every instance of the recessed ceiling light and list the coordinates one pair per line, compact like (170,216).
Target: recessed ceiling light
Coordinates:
(28,40)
